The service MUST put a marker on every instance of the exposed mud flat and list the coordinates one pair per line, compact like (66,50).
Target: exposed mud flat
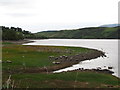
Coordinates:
(109,46)
(79,57)
(64,62)
(91,70)
(19,41)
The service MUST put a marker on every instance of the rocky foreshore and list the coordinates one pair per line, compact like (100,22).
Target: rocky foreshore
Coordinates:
(60,62)
(91,70)
(78,57)
(19,41)
(67,61)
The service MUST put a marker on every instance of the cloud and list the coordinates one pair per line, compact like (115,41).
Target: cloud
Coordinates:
(15,3)
(16,8)
(12,2)
(20,14)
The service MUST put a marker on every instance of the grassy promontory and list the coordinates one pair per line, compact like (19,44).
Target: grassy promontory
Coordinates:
(32,67)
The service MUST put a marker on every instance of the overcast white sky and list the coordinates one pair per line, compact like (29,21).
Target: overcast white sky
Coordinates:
(41,15)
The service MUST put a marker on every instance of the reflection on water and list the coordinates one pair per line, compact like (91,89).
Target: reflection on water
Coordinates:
(108,46)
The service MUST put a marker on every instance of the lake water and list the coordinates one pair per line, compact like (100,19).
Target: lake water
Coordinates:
(109,46)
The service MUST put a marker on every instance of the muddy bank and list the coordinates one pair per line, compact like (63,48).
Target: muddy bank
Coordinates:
(19,41)
(59,62)
(78,57)
(64,62)
(91,70)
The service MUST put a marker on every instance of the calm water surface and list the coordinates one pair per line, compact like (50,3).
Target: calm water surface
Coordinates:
(110,47)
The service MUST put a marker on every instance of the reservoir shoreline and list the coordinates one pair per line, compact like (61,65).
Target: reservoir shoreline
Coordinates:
(64,63)
(109,46)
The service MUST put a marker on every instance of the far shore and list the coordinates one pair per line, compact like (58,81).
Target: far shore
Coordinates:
(19,41)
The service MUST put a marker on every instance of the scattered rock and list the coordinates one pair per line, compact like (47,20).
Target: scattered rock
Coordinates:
(98,67)
(8,61)
(110,67)
(51,57)
(56,62)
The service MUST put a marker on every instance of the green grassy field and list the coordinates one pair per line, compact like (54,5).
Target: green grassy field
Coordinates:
(64,80)
(31,57)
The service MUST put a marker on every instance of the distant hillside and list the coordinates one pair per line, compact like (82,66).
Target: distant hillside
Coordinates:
(110,25)
(84,33)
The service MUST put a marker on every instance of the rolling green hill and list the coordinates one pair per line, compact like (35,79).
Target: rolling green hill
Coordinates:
(84,33)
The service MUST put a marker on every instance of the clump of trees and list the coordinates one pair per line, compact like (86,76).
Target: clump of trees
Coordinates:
(13,33)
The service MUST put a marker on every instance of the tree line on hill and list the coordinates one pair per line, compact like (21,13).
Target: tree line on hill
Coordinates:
(13,33)
(84,33)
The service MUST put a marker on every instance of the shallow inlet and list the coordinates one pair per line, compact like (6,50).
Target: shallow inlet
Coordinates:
(109,46)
